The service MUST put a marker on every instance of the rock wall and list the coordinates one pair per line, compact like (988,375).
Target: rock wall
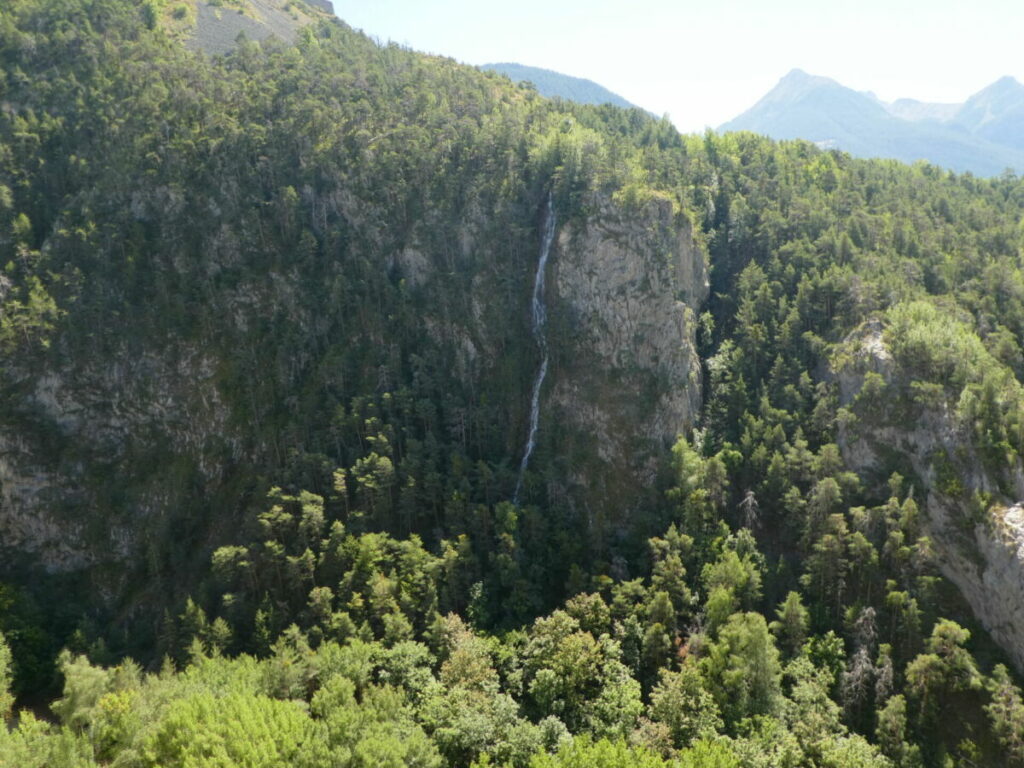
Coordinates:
(627,286)
(981,552)
(127,430)
(986,562)
(133,419)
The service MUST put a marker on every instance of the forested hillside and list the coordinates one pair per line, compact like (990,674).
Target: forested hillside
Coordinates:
(556,85)
(268,366)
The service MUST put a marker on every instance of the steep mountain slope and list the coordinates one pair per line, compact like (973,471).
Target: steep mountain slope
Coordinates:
(817,109)
(823,111)
(972,492)
(217,26)
(271,351)
(305,278)
(551,84)
(996,113)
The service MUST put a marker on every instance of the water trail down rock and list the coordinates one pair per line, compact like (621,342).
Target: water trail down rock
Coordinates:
(539,321)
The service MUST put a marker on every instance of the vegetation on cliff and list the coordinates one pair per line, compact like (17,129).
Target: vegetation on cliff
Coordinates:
(266,344)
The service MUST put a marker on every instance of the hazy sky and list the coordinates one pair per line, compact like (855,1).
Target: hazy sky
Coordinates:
(705,62)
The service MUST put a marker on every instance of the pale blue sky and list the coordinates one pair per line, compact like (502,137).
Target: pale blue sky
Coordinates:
(705,62)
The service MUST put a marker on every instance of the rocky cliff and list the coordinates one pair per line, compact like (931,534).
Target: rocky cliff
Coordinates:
(317,274)
(972,509)
(117,455)
(628,285)
(151,421)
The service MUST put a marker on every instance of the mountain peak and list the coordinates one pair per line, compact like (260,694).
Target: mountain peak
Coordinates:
(796,74)
(996,113)
(796,85)
(1006,81)
(982,135)
(801,78)
(1006,87)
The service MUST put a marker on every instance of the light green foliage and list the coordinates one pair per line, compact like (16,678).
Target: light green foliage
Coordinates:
(947,668)
(84,686)
(934,346)
(467,723)
(592,613)
(891,734)
(708,754)
(217,711)
(290,671)
(209,731)
(766,743)
(578,678)
(378,730)
(682,702)
(731,581)
(814,719)
(827,653)
(720,605)
(116,723)
(743,670)
(36,744)
(467,715)
(811,715)
(852,752)
(306,269)
(355,661)
(222,675)
(406,665)
(6,699)
(936,681)
(583,753)
(668,574)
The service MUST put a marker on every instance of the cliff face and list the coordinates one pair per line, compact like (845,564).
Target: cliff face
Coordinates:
(112,450)
(104,452)
(627,287)
(322,281)
(979,546)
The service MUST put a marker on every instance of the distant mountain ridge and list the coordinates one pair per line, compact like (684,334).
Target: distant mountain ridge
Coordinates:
(996,113)
(914,110)
(984,135)
(551,84)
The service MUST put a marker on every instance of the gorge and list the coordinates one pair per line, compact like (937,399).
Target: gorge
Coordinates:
(360,407)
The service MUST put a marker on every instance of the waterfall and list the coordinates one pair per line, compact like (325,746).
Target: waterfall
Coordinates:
(539,316)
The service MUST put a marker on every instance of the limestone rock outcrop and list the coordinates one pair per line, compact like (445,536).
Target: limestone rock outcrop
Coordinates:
(979,550)
(627,288)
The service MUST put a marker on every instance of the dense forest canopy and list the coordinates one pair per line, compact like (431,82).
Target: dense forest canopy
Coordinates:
(286,291)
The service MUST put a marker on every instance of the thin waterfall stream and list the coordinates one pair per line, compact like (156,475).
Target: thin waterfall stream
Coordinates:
(540,318)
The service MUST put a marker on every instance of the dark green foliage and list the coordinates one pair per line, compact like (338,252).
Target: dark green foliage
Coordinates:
(1006,712)
(336,241)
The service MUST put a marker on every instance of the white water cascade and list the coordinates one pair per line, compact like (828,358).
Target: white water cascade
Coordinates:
(539,321)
